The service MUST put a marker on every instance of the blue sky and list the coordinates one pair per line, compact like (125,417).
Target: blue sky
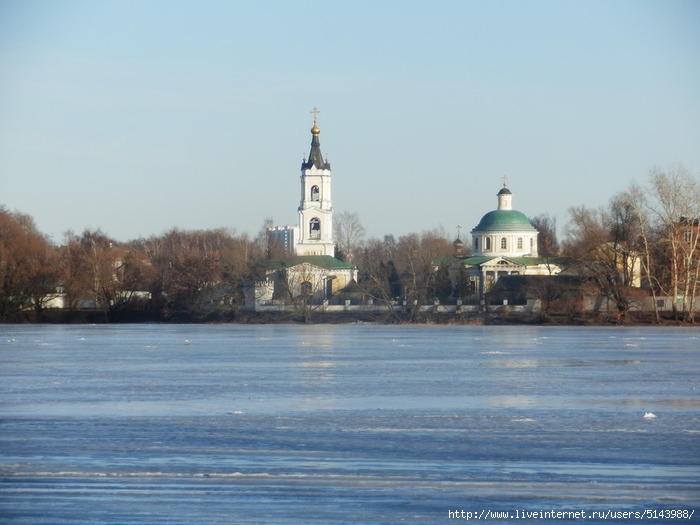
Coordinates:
(138,116)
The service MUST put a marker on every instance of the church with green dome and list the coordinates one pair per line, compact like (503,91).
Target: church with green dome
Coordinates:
(504,231)
(503,243)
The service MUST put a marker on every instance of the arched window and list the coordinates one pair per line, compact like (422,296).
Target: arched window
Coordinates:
(487,244)
(532,243)
(520,243)
(315,228)
(476,244)
(315,193)
(306,288)
(504,243)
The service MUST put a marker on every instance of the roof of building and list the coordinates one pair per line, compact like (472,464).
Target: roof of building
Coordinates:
(322,261)
(315,156)
(504,220)
(523,261)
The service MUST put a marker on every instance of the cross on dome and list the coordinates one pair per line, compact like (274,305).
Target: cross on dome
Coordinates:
(315,113)
(315,157)
(315,131)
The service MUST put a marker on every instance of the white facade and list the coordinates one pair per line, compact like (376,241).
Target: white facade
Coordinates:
(504,243)
(315,233)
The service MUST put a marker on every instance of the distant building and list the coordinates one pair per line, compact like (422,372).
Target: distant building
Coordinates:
(503,243)
(306,266)
(281,240)
(316,207)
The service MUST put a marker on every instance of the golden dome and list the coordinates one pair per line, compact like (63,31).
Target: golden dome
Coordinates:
(315,130)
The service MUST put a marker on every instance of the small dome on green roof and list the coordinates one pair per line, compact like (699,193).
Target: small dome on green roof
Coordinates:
(504,220)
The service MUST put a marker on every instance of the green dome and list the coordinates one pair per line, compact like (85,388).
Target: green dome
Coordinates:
(504,220)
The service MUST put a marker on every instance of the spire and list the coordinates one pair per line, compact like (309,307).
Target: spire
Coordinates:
(315,156)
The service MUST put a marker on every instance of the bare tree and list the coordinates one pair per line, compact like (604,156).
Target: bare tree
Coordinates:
(192,269)
(677,208)
(89,263)
(270,243)
(593,241)
(547,243)
(378,277)
(242,260)
(404,269)
(349,235)
(636,198)
(28,270)
(133,279)
(415,263)
(624,227)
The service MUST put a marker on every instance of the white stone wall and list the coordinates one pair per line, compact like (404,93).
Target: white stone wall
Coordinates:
(529,244)
(311,209)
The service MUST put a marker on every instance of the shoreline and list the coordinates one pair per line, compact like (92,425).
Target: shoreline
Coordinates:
(383,318)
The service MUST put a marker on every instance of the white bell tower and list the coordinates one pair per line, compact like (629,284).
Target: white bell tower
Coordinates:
(316,208)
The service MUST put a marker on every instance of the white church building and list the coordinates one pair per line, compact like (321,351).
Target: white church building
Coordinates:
(503,243)
(316,207)
(307,266)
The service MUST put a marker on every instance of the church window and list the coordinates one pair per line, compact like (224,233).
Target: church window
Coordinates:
(315,228)
(487,244)
(306,289)
(504,243)
(315,194)
(476,244)
(532,243)
(520,243)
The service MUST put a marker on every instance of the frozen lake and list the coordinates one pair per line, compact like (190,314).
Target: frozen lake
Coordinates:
(163,424)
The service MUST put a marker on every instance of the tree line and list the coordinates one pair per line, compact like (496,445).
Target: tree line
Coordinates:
(651,227)
(647,236)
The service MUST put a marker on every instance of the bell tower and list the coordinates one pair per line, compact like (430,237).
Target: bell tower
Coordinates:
(316,208)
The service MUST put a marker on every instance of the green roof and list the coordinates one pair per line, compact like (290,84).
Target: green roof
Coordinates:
(524,261)
(504,220)
(322,261)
